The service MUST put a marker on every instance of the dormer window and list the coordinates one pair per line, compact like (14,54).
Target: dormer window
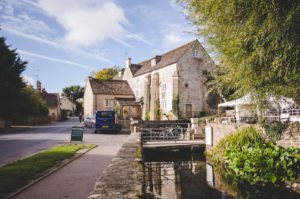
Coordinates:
(153,62)
(196,53)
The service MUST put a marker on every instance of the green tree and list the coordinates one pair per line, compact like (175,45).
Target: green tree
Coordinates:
(74,92)
(33,104)
(258,43)
(11,82)
(106,73)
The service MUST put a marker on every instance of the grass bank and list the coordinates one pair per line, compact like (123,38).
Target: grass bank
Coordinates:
(22,172)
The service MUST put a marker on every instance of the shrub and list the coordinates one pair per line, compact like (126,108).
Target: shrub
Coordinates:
(261,164)
(242,137)
(274,130)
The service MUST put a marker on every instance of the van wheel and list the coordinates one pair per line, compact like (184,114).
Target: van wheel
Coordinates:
(95,131)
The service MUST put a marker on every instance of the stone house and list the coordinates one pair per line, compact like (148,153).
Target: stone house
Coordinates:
(173,79)
(67,105)
(52,101)
(107,95)
(180,73)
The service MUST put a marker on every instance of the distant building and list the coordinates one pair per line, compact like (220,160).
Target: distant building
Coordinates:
(52,101)
(67,105)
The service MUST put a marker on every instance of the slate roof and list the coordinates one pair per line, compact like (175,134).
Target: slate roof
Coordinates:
(127,101)
(110,87)
(166,59)
(51,99)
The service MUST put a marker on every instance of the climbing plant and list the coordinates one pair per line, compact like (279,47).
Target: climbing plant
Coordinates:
(157,113)
(175,105)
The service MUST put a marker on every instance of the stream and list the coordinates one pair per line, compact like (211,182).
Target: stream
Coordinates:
(186,174)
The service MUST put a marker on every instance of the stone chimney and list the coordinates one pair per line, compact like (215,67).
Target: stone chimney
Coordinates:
(128,62)
(38,85)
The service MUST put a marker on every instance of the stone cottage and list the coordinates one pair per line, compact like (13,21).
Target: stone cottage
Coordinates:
(173,83)
(108,95)
(67,105)
(179,73)
(52,101)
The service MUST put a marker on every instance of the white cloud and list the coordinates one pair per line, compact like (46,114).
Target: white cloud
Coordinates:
(28,80)
(87,22)
(57,44)
(55,59)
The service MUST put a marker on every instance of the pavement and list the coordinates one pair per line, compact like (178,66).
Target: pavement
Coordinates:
(77,179)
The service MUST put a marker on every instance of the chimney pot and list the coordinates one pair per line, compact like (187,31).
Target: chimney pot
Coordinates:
(128,62)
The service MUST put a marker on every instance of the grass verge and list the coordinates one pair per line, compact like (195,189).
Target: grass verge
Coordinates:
(22,172)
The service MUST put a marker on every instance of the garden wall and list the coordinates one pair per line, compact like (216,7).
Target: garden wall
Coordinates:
(291,136)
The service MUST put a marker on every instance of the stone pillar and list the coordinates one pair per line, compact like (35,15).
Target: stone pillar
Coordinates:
(152,97)
(146,106)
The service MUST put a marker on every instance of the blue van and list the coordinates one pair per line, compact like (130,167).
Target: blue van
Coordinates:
(106,121)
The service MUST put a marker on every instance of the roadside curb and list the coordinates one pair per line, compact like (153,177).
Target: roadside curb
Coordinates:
(52,170)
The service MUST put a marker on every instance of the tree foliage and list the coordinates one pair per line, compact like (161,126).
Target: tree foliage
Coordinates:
(258,43)
(17,100)
(106,73)
(33,104)
(73,92)
(11,82)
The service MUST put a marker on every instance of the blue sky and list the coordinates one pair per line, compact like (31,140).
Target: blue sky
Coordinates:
(65,40)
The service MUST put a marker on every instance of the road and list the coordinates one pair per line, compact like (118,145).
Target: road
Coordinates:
(76,180)
(20,142)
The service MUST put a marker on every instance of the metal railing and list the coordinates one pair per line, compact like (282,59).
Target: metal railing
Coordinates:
(166,134)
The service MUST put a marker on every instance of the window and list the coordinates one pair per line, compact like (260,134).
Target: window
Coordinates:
(163,90)
(196,53)
(163,104)
(108,103)
(105,114)
(164,87)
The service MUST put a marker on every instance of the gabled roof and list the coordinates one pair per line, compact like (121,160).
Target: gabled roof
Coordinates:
(110,87)
(51,99)
(166,59)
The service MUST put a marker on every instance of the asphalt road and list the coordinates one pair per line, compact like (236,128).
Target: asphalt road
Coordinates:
(20,142)
(76,180)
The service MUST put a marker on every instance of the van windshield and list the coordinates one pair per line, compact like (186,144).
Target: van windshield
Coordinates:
(105,114)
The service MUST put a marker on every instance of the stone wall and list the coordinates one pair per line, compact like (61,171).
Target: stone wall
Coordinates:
(88,101)
(192,90)
(123,178)
(218,131)
(291,137)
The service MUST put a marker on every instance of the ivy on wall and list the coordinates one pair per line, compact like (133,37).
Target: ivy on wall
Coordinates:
(175,105)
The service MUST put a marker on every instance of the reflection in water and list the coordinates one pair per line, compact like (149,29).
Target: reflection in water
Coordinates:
(175,175)
(180,178)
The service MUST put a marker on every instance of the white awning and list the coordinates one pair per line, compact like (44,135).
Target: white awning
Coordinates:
(283,102)
(241,101)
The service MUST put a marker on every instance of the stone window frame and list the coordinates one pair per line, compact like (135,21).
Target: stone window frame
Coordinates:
(108,103)
(196,53)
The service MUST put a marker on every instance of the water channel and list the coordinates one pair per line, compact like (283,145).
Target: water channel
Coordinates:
(187,175)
